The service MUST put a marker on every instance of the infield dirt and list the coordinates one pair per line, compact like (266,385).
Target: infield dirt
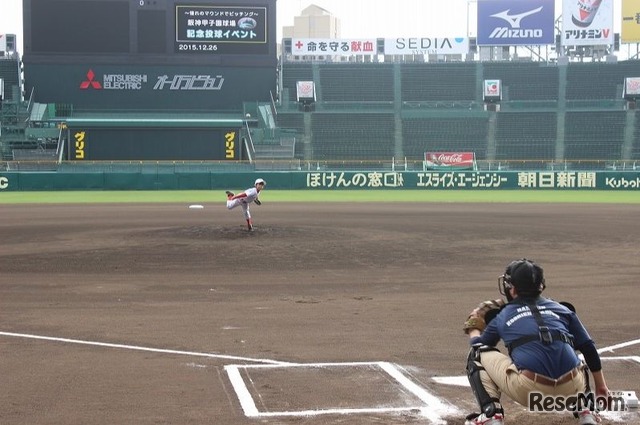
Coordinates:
(314,283)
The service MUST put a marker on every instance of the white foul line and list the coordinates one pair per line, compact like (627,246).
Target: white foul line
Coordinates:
(149,349)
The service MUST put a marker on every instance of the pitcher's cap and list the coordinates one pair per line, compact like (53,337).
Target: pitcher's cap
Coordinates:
(260,181)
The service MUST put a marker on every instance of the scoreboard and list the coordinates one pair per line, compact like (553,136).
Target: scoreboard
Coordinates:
(156,27)
(200,55)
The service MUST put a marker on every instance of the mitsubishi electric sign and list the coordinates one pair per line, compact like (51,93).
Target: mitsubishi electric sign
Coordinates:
(163,87)
(515,22)
(163,82)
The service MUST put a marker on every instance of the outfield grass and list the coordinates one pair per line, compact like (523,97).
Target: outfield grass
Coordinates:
(208,196)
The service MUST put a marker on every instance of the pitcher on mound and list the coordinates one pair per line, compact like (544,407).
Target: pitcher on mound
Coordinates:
(244,199)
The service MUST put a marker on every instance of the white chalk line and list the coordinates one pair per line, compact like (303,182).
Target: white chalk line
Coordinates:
(138,348)
(433,408)
(612,348)
(248,405)
(631,358)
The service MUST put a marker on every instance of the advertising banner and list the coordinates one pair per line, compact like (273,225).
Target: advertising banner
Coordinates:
(427,46)
(492,90)
(515,22)
(99,86)
(450,160)
(631,88)
(630,21)
(153,144)
(328,180)
(587,22)
(333,46)
(305,90)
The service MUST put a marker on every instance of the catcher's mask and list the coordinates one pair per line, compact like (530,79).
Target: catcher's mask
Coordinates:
(524,275)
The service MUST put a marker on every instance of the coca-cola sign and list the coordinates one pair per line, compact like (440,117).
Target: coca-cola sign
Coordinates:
(458,160)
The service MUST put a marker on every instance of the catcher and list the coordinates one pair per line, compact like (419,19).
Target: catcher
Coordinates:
(541,337)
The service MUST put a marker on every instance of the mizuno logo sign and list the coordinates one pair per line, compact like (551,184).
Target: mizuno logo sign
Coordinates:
(514,20)
(515,33)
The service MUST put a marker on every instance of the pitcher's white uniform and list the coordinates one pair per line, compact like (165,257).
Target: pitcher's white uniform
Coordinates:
(244,199)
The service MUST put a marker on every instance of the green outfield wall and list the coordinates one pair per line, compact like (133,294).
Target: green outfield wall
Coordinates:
(324,180)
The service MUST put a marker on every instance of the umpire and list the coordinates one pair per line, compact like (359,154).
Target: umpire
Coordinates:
(542,337)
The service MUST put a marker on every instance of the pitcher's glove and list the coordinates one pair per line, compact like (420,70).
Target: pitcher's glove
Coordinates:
(482,315)
(257,201)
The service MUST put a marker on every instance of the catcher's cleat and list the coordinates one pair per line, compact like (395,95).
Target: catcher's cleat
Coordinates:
(475,419)
(587,417)
(229,194)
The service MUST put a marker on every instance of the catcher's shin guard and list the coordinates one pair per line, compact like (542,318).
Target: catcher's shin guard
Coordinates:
(488,405)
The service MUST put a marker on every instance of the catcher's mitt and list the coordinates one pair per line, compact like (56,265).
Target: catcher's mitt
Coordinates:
(482,314)
(257,201)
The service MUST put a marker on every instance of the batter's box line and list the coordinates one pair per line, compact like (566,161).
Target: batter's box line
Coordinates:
(612,348)
(622,358)
(433,409)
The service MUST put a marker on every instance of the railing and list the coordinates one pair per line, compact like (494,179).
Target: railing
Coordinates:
(389,164)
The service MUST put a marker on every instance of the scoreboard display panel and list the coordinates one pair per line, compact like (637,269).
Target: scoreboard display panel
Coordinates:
(150,54)
(165,27)
(82,27)
(221,29)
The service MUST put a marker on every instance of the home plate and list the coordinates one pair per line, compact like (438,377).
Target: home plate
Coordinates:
(196,207)
(461,381)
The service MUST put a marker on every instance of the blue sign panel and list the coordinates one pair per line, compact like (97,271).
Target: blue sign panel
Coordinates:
(515,22)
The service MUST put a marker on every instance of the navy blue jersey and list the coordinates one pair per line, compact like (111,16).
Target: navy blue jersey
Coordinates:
(516,320)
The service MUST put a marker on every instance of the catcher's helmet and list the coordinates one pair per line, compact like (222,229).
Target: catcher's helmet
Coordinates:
(525,275)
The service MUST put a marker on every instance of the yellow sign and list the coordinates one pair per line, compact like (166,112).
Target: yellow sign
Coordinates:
(230,145)
(630,21)
(80,144)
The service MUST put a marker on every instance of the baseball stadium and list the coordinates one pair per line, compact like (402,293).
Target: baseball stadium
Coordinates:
(398,179)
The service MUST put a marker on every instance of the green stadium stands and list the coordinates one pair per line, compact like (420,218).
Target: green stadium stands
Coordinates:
(453,134)
(291,120)
(366,82)
(352,136)
(368,112)
(526,136)
(595,135)
(10,74)
(294,121)
(438,82)
(524,80)
(440,109)
(292,73)
(635,147)
(604,81)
